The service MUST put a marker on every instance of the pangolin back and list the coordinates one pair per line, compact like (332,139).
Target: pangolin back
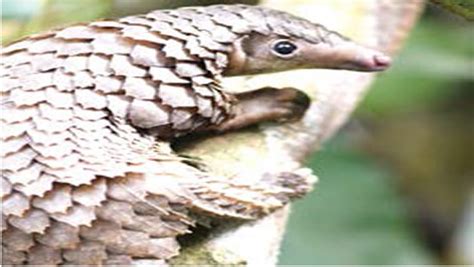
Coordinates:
(84,179)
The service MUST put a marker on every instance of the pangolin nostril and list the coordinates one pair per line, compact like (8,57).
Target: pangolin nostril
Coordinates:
(382,61)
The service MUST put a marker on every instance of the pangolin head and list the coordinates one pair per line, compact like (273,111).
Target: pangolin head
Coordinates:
(284,42)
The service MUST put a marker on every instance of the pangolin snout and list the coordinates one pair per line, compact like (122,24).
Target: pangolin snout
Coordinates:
(371,60)
(351,56)
(377,62)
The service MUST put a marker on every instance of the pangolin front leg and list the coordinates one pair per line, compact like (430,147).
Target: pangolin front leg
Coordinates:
(237,198)
(265,105)
(88,113)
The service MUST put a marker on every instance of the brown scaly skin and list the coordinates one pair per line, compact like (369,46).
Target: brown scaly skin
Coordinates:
(87,177)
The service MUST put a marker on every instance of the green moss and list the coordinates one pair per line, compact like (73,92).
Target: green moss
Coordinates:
(200,255)
(193,255)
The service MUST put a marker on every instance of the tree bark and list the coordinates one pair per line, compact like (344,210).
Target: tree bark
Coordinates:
(383,24)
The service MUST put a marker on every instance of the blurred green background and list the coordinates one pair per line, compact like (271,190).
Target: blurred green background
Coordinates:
(396,184)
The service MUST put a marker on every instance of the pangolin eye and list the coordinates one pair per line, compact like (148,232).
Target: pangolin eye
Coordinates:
(284,48)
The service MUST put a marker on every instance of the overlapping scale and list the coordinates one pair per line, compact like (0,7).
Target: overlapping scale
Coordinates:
(81,184)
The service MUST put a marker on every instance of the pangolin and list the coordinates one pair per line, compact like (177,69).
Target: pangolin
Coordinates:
(89,111)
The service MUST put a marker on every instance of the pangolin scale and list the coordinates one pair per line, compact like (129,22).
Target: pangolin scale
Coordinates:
(88,176)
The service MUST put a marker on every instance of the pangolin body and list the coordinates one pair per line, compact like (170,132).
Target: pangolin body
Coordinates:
(87,174)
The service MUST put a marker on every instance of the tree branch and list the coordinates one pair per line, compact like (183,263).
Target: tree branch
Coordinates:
(378,23)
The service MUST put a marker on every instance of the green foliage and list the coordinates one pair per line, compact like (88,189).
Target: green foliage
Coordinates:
(19,9)
(353,217)
(46,14)
(436,55)
(464,8)
(356,214)
(57,13)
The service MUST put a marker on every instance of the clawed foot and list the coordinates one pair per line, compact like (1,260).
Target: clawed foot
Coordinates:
(296,183)
(264,105)
(244,200)
(287,104)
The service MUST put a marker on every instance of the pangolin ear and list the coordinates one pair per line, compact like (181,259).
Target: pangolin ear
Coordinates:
(253,44)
